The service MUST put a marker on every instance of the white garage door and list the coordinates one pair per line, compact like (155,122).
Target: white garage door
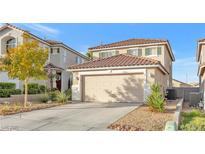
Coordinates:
(113,88)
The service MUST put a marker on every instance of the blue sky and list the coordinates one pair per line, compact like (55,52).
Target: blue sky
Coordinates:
(183,39)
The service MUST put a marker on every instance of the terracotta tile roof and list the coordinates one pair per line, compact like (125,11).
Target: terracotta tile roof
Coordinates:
(49,42)
(201,40)
(52,66)
(129,42)
(53,42)
(117,61)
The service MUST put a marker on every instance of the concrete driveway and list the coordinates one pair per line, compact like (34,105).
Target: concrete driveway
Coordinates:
(76,117)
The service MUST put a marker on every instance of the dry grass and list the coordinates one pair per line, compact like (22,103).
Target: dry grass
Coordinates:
(144,119)
(13,108)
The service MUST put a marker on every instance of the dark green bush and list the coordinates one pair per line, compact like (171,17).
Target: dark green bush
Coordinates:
(7,85)
(14,91)
(156,100)
(4,93)
(8,92)
(33,91)
(42,88)
(35,88)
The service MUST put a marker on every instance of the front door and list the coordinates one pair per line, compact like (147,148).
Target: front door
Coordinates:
(58,81)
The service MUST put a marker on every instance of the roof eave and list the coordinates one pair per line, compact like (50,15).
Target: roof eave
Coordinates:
(118,67)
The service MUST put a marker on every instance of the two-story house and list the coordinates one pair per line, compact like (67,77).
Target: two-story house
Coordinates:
(123,71)
(60,56)
(200,57)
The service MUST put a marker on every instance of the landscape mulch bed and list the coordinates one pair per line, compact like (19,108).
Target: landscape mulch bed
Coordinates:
(13,109)
(142,119)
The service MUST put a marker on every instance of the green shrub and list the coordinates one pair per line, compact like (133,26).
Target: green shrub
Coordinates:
(53,95)
(35,88)
(8,92)
(193,121)
(196,124)
(33,91)
(4,93)
(7,85)
(62,97)
(45,98)
(42,88)
(68,92)
(14,91)
(156,100)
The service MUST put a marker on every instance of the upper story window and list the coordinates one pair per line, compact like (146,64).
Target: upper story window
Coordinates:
(135,52)
(11,43)
(55,50)
(148,51)
(58,50)
(51,50)
(159,51)
(78,60)
(108,54)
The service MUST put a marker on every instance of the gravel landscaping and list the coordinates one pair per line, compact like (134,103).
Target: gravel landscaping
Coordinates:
(145,120)
(13,108)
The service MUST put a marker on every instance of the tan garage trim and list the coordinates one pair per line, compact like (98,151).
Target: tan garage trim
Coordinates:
(113,87)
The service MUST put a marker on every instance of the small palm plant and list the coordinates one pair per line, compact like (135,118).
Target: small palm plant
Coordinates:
(156,100)
(62,97)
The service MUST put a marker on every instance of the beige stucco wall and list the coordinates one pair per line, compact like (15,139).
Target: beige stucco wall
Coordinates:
(202,55)
(151,76)
(154,75)
(164,58)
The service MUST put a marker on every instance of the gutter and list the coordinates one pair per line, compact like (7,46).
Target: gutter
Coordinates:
(121,67)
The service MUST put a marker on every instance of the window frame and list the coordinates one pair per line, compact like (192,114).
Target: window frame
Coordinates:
(11,43)
(151,51)
(159,50)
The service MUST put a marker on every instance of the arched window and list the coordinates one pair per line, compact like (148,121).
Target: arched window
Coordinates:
(11,43)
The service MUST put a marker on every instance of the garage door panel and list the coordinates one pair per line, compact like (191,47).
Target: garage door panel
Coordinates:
(114,88)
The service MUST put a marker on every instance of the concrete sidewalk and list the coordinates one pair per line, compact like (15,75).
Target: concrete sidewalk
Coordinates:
(76,117)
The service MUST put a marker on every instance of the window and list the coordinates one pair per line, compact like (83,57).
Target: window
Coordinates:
(139,52)
(159,51)
(135,52)
(11,43)
(58,50)
(78,60)
(51,50)
(148,51)
(108,54)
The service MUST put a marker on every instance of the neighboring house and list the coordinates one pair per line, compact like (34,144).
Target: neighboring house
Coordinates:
(200,57)
(60,56)
(123,71)
(194,84)
(177,83)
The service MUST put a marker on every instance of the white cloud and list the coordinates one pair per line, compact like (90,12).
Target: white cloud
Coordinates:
(43,29)
(1,24)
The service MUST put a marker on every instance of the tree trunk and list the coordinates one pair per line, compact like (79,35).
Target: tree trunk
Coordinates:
(26,92)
